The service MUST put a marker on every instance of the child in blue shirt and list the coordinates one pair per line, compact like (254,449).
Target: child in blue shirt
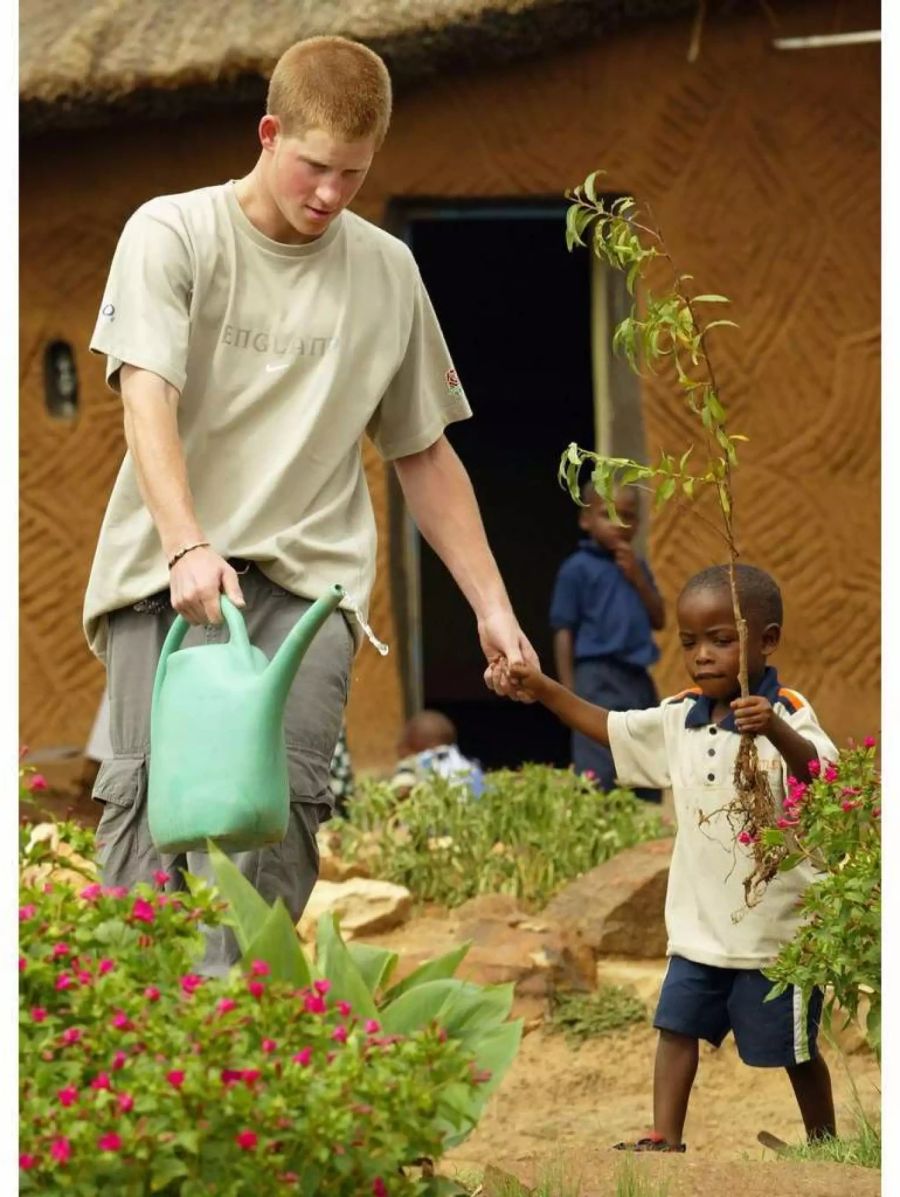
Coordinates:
(604,610)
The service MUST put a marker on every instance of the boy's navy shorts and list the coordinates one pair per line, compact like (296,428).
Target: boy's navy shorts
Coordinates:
(704,1002)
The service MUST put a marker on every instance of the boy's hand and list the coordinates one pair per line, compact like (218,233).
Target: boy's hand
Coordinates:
(525,679)
(626,560)
(753,715)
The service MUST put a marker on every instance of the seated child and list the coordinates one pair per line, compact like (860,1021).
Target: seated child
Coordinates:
(713,983)
(428,745)
(604,608)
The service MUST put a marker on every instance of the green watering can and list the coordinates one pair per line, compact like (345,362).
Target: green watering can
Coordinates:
(218,763)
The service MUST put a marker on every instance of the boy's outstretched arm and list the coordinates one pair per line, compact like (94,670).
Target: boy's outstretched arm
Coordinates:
(573,711)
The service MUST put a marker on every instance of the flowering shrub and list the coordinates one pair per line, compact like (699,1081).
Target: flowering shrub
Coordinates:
(447,850)
(138,1075)
(835,823)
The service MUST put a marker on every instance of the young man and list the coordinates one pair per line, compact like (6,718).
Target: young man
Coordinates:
(256,330)
(604,610)
(714,983)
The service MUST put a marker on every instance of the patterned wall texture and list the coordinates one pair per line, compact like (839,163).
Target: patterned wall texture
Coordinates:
(762,169)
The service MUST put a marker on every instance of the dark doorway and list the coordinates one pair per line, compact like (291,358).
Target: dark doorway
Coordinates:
(515,308)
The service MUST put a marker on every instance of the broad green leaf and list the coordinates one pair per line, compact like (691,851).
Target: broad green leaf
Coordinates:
(334,961)
(432,970)
(375,964)
(666,490)
(417,1007)
(790,861)
(471,1009)
(278,945)
(772,837)
(495,1054)
(248,907)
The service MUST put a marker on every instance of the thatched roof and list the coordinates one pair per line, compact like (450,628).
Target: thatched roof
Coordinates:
(91,61)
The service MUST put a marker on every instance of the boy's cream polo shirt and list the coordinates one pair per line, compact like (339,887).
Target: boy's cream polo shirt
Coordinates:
(675,745)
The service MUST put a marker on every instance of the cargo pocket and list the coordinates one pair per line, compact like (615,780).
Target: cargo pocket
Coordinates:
(125,851)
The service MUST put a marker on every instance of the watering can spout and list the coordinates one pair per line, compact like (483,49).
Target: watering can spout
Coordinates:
(284,665)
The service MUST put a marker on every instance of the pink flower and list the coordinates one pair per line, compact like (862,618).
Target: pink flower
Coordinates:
(379,1188)
(91,892)
(851,791)
(589,775)
(250,1076)
(116,891)
(259,968)
(869,742)
(61,1149)
(125,1102)
(84,977)
(22,964)
(143,911)
(119,1060)
(230,1076)
(746,838)
(322,986)
(783,824)
(67,1096)
(372,1027)
(303,1057)
(121,1021)
(269,1045)
(175,1078)
(60,949)
(151,993)
(256,988)
(191,983)
(160,876)
(101,1081)
(225,1004)
(27,912)
(313,1004)
(814,766)
(339,1034)
(63,981)
(246,1140)
(27,1161)
(38,1014)
(105,966)
(876,812)
(848,804)
(71,1035)
(37,782)
(830,773)
(344,1009)
(109,1142)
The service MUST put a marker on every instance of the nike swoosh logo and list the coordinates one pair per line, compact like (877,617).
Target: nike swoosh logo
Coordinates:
(270,369)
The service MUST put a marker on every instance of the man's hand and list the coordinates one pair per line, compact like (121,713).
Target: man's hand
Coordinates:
(753,715)
(626,561)
(504,644)
(197,580)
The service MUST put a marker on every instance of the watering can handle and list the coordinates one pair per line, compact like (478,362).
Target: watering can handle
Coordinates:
(237,631)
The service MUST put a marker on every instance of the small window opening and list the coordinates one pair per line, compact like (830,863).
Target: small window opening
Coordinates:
(60,381)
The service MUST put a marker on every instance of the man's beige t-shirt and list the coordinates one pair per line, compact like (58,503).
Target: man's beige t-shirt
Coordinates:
(285,356)
(669,745)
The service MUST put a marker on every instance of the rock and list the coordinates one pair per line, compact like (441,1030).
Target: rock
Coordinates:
(618,907)
(491,906)
(365,906)
(643,977)
(331,866)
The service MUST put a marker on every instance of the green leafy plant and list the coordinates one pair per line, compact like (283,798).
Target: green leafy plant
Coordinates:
(582,1016)
(431,997)
(668,331)
(529,833)
(834,823)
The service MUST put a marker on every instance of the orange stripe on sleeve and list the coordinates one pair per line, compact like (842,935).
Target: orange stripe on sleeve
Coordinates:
(685,694)
(793,696)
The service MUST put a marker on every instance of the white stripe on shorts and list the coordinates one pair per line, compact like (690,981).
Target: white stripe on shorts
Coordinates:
(801,1024)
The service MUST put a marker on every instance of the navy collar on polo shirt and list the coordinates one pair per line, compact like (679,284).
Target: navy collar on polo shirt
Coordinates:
(700,713)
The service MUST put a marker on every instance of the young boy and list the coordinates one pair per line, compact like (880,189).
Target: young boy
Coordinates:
(428,745)
(713,983)
(605,606)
